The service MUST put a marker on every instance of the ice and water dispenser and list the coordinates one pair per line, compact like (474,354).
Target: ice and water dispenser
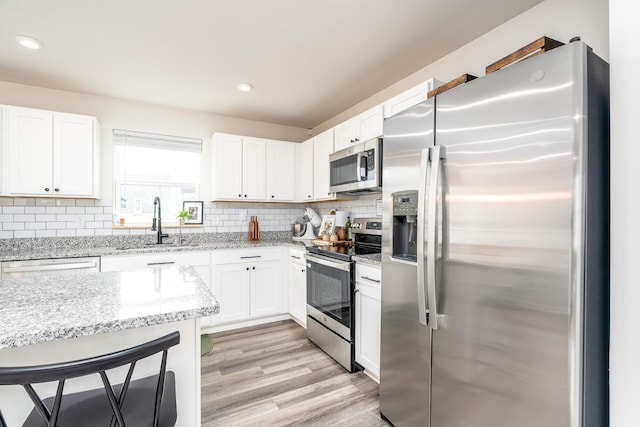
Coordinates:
(405,225)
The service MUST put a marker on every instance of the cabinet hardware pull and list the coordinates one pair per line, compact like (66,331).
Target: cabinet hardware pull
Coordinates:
(161,263)
(247,268)
(272,196)
(56,189)
(302,270)
(239,195)
(296,257)
(46,189)
(252,256)
(369,278)
(356,291)
(253,268)
(245,195)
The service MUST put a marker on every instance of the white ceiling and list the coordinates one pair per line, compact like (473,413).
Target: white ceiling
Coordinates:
(308,60)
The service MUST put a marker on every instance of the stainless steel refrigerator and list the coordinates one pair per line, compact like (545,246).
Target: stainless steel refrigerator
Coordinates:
(495,250)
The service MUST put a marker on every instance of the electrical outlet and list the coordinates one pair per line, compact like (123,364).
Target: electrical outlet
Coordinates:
(215,220)
(242,214)
(80,223)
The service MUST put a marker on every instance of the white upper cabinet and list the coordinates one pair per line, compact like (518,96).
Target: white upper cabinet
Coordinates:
(322,148)
(304,171)
(47,153)
(280,171)
(227,167)
(73,155)
(409,98)
(239,165)
(362,127)
(254,157)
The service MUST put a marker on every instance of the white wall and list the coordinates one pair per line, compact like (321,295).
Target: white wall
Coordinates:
(122,114)
(625,213)
(559,19)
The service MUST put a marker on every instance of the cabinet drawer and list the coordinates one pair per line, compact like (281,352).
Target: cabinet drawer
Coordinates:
(246,255)
(369,275)
(297,256)
(133,262)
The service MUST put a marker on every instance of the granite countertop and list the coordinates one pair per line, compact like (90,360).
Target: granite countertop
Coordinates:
(372,259)
(73,251)
(73,305)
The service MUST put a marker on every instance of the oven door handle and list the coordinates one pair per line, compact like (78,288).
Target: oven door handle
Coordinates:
(344,266)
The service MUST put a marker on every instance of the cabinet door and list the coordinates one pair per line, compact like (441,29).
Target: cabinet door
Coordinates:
(368,328)
(322,148)
(304,171)
(298,292)
(369,124)
(231,287)
(227,161)
(253,168)
(29,151)
(73,155)
(266,288)
(406,99)
(345,134)
(280,171)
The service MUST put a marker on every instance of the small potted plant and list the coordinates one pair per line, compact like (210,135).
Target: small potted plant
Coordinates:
(183,215)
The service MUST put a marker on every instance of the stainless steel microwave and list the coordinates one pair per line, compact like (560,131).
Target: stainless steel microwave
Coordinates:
(357,169)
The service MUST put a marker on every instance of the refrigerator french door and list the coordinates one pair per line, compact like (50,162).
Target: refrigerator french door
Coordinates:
(513,232)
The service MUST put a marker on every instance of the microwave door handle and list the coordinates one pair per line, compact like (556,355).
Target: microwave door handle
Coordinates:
(364,160)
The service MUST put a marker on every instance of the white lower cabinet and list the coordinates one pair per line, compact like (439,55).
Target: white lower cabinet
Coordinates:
(248,284)
(298,286)
(368,310)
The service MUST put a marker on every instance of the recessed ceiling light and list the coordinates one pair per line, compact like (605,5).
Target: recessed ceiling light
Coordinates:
(244,87)
(28,42)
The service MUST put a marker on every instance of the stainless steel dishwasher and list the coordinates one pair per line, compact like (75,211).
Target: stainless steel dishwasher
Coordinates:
(53,266)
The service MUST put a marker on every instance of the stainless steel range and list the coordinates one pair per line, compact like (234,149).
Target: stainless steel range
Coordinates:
(331,289)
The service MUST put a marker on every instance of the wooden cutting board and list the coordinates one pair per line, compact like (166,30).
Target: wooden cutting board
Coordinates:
(320,242)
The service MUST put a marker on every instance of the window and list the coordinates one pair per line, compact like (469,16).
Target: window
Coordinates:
(148,165)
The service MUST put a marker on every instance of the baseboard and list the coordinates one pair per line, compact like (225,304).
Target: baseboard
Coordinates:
(211,329)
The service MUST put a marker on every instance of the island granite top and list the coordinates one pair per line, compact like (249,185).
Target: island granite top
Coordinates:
(34,310)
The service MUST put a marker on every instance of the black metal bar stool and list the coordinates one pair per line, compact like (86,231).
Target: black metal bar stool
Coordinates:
(151,401)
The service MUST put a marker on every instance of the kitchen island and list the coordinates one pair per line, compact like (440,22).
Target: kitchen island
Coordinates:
(50,319)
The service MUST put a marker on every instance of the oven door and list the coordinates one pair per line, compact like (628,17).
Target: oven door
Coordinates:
(329,293)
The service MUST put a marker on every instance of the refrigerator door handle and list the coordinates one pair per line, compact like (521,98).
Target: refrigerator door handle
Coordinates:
(420,249)
(437,154)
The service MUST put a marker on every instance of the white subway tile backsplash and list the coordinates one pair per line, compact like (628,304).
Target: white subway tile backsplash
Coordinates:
(13,209)
(7,226)
(28,234)
(55,209)
(35,226)
(45,233)
(83,217)
(34,210)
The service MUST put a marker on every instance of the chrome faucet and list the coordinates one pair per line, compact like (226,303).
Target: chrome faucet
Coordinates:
(156,210)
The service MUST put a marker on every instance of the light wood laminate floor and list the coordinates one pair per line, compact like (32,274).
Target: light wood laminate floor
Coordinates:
(272,375)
